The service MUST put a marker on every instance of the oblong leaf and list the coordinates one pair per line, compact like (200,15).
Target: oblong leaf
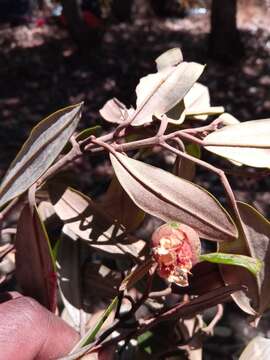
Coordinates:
(44,144)
(35,269)
(247,142)
(251,264)
(159,92)
(92,333)
(173,199)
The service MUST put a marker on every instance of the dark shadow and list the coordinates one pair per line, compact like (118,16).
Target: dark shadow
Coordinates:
(40,79)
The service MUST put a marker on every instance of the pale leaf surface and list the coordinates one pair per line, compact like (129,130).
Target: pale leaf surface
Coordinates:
(253,138)
(253,241)
(170,198)
(44,144)
(257,349)
(198,98)
(159,92)
(169,58)
(115,112)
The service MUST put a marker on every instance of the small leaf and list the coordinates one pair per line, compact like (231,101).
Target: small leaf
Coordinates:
(228,119)
(169,58)
(35,271)
(253,265)
(173,199)
(247,143)
(44,144)
(115,112)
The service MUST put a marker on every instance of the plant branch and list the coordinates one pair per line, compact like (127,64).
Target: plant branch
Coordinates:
(183,309)
(220,173)
(210,327)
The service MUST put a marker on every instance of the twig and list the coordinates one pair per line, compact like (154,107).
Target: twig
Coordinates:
(4,253)
(8,209)
(11,231)
(209,328)
(220,173)
(203,301)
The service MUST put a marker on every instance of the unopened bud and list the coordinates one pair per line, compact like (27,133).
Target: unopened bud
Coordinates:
(176,249)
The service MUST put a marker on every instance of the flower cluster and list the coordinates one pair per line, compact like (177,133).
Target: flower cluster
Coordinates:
(176,249)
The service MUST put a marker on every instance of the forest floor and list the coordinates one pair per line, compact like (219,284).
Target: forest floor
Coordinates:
(41,71)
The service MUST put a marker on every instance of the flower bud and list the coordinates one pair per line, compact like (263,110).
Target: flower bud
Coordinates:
(176,249)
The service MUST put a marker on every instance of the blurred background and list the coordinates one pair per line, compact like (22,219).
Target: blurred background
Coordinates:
(55,53)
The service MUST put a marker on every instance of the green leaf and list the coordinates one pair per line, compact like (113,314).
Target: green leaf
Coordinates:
(170,198)
(143,341)
(194,150)
(44,144)
(56,248)
(92,333)
(253,265)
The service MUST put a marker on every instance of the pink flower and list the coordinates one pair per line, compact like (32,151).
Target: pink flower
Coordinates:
(176,249)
